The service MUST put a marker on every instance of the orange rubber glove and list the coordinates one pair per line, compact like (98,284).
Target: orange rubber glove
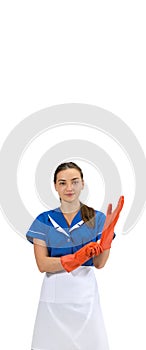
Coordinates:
(71,261)
(109,225)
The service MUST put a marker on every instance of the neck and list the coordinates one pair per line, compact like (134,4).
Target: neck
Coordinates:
(70,207)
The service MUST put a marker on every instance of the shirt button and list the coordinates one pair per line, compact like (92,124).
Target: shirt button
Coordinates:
(68,240)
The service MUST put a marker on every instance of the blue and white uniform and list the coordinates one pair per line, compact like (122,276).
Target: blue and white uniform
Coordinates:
(69,316)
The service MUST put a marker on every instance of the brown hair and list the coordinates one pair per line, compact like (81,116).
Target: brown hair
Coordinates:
(88,213)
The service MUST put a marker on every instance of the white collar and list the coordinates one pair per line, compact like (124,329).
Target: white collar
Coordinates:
(60,229)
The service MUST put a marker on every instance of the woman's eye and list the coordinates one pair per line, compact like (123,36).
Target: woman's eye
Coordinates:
(74,183)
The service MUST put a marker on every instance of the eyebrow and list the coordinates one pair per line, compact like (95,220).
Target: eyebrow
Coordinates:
(74,178)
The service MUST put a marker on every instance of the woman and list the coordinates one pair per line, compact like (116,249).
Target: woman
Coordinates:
(69,242)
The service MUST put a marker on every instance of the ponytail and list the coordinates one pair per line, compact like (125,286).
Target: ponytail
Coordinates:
(88,215)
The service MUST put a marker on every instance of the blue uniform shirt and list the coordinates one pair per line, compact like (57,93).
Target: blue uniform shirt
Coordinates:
(61,239)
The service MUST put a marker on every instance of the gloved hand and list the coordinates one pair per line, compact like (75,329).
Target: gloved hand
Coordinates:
(110,222)
(71,261)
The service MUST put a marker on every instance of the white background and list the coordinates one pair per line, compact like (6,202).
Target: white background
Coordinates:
(56,52)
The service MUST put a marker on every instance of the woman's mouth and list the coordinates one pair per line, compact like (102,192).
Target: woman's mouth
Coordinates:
(69,194)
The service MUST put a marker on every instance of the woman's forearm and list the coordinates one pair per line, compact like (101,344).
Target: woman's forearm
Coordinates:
(100,260)
(44,262)
(53,264)
(50,264)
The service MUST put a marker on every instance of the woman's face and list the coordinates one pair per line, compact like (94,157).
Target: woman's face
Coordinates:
(69,185)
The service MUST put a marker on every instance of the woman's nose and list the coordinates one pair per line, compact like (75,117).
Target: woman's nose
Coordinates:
(69,186)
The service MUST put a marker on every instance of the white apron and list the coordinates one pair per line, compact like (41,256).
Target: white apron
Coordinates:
(69,316)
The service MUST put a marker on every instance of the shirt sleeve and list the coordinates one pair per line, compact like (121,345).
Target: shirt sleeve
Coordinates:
(38,229)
